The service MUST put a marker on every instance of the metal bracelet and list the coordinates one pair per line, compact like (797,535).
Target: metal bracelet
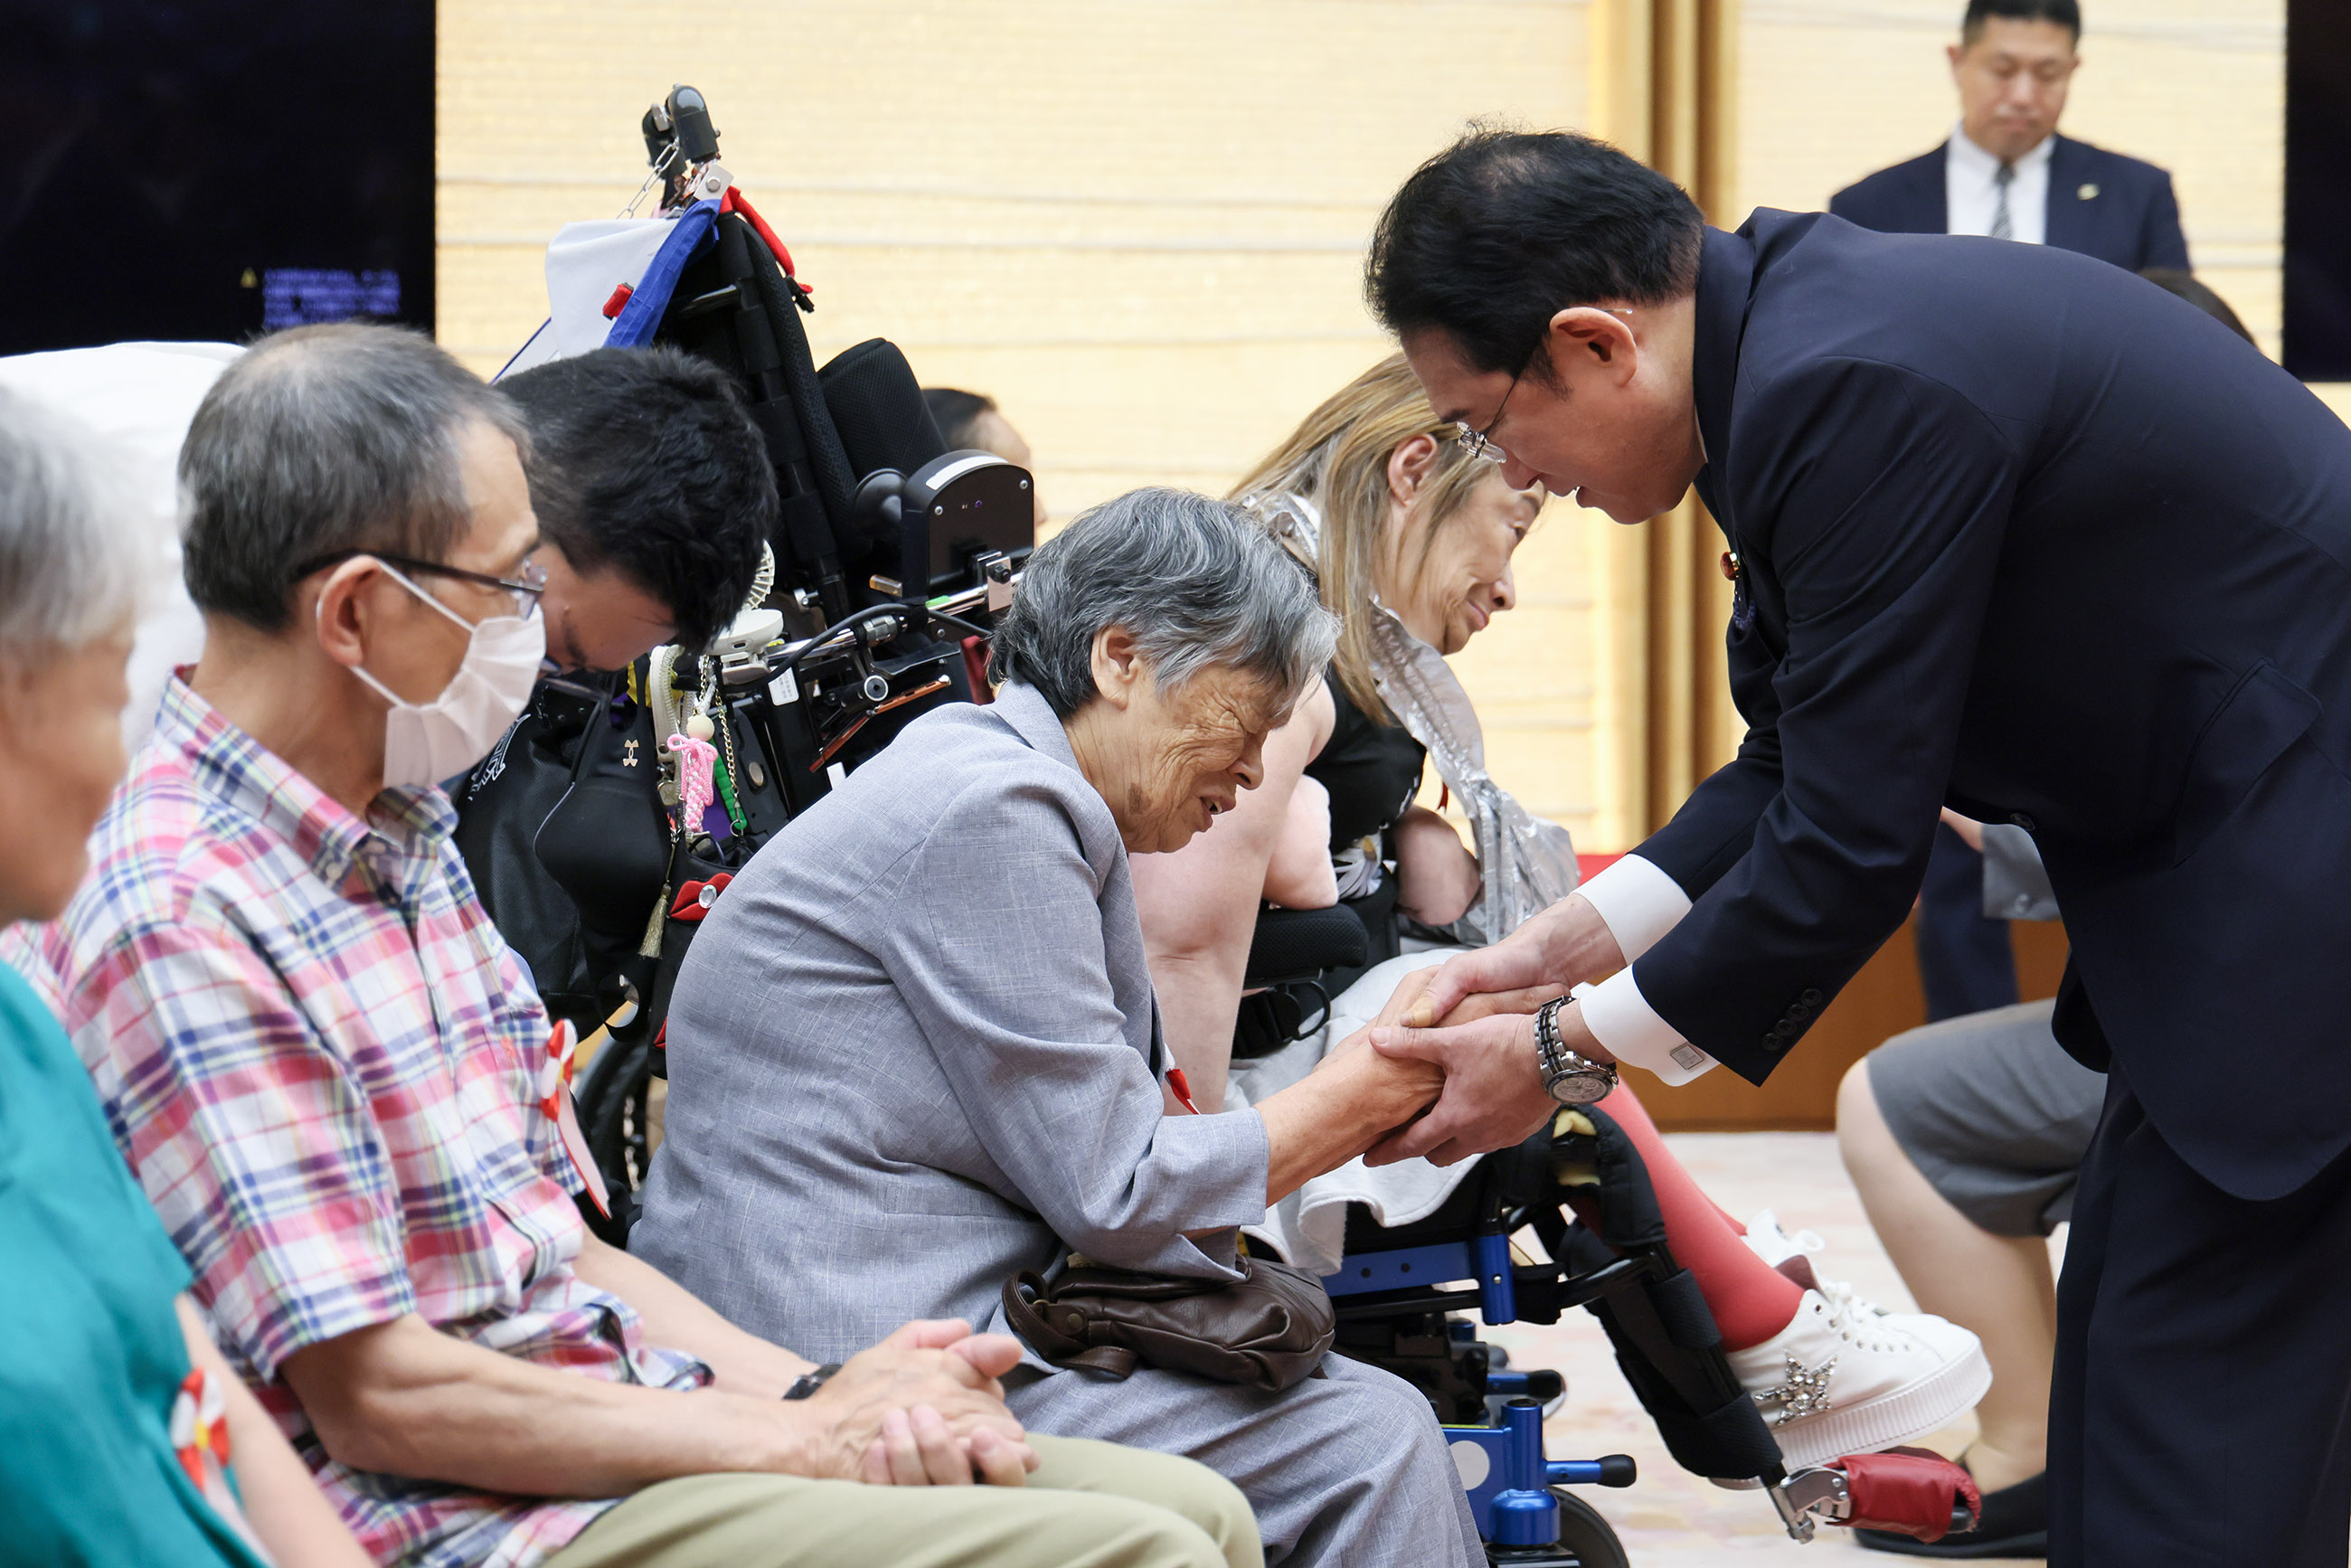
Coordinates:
(1548,1045)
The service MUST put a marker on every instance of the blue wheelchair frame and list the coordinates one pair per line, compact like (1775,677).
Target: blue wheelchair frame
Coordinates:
(1502,1464)
(1510,1481)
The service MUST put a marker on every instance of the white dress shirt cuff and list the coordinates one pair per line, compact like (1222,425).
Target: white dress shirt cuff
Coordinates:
(1621,1019)
(1637,902)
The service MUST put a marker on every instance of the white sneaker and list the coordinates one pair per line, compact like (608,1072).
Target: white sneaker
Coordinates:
(1791,1255)
(1848,1378)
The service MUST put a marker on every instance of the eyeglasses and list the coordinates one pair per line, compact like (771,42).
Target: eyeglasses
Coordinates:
(524,589)
(1480,442)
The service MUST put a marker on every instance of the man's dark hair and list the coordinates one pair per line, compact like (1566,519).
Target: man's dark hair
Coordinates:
(955,411)
(1503,229)
(323,439)
(2064,12)
(646,462)
(2179,280)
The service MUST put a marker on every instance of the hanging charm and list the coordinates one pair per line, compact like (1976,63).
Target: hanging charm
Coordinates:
(694,757)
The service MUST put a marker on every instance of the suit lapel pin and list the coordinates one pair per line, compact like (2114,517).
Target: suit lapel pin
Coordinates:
(2088,193)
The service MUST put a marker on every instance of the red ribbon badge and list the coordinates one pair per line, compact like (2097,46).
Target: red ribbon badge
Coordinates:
(695,899)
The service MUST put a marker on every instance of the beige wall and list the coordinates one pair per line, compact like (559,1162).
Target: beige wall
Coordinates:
(1140,222)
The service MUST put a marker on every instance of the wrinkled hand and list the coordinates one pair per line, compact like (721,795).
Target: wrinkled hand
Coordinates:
(1400,1001)
(1493,1097)
(1469,1009)
(1512,969)
(923,1408)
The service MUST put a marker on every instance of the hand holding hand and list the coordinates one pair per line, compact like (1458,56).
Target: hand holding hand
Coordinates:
(1513,965)
(1564,945)
(1494,1095)
(921,1407)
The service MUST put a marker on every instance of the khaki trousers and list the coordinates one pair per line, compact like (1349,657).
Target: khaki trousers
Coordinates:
(1087,1505)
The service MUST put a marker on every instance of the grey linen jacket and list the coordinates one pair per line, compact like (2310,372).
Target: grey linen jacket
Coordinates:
(913,1051)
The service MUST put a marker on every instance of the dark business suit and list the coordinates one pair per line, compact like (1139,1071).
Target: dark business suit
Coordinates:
(2101,203)
(2024,535)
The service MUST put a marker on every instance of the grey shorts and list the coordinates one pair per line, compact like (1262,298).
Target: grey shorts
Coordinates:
(1993,1113)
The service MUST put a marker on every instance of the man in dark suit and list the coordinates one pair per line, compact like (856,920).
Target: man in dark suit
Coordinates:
(2016,532)
(2004,172)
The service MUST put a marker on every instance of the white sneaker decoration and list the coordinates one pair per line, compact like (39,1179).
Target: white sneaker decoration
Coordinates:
(1846,1377)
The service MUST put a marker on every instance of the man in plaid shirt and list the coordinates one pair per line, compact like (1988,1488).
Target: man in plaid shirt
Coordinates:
(323,1063)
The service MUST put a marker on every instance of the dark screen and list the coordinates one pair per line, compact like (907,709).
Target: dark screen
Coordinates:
(2318,190)
(211,169)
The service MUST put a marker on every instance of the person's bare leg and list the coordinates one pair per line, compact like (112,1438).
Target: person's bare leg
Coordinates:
(1999,1286)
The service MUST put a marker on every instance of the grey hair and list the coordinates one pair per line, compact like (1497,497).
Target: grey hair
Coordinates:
(75,548)
(1193,581)
(325,439)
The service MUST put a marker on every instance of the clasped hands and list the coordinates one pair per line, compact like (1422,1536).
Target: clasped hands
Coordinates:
(1472,1019)
(923,1408)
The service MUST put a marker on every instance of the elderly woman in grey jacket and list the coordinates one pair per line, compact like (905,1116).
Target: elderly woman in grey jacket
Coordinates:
(914,1050)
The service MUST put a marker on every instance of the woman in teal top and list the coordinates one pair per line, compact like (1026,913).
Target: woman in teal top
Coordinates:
(116,1411)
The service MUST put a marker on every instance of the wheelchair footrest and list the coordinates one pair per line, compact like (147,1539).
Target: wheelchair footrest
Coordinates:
(1909,1491)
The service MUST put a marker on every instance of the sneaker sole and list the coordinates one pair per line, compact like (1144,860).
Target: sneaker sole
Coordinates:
(1899,1415)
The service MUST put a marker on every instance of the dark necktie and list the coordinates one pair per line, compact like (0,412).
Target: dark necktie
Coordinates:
(2003,225)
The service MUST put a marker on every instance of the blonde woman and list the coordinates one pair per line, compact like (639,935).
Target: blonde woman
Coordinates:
(1410,537)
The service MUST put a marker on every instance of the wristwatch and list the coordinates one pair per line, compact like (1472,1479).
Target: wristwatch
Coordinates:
(810,1382)
(1569,1077)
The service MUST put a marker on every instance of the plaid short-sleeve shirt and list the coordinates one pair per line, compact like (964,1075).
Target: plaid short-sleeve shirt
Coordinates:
(321,1059)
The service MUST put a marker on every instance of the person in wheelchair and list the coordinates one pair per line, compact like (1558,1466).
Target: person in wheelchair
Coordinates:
(913,1051)
(1410,538)
(655,496)
(336,1090)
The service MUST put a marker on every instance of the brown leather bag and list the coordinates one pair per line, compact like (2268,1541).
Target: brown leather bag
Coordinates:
(1269,1329)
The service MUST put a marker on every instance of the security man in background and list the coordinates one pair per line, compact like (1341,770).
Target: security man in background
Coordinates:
(2007,173)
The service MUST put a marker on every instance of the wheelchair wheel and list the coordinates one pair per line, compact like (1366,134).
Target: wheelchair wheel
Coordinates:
(1583,1532)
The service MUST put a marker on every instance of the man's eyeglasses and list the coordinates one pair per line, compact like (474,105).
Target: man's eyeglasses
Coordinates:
(525,590)
(1480,442)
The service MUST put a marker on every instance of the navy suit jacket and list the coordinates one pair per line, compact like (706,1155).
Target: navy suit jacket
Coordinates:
(2128,215)
(2026,535)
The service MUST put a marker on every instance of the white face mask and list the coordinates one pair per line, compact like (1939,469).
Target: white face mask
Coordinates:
(430,742)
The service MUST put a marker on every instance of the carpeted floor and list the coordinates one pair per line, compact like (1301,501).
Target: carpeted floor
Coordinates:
(1672,1518)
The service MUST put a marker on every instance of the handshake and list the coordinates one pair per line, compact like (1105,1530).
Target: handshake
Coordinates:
(1457,1040)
